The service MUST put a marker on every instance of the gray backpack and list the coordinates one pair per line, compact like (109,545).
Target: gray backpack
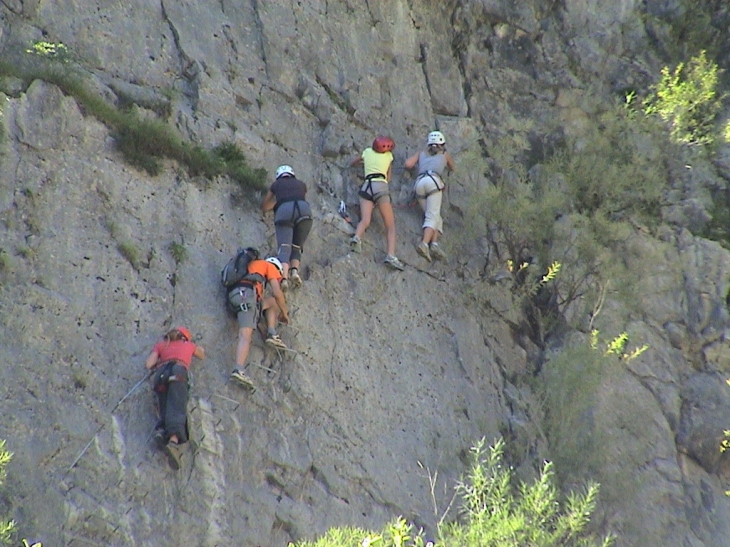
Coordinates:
(236,270)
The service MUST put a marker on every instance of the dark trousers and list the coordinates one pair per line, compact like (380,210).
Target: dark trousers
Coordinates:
(293,222)
(172,402)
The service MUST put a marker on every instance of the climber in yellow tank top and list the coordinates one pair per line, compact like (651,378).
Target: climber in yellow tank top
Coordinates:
(377,161)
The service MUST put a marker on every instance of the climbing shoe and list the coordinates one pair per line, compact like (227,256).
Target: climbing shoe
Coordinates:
(174,454)
(294,278)
(275,341)
(355,244)
(284,285)
(436,252)
(240,377)
(422,249)
(394,262)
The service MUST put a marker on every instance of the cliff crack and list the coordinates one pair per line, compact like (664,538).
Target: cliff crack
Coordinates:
(260,32)
(190,68)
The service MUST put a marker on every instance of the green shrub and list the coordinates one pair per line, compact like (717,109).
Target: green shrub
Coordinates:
(696,29)
(499,513)
(6,527)
(577,209)
(397,533)
(495,512)
(614,169)
(142,141)
(238,169)
(687,99)
(569,384)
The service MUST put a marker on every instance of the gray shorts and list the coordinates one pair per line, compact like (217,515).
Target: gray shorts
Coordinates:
(376,191)
(242,301)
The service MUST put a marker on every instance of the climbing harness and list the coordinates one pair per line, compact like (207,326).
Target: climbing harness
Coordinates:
(296,215)
(435,177)
(366,190)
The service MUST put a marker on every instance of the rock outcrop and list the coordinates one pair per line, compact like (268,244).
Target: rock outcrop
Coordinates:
(393,376)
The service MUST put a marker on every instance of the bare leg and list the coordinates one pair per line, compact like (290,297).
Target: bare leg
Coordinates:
(386,211)
(271,313)
(429,235)
(244,345)
(366,215)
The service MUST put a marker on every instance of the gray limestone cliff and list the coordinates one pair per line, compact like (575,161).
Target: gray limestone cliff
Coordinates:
(394,375)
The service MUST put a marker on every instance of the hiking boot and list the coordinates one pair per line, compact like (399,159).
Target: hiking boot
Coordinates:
(275,341)
(436,252)
(174,454)
(284,285)
(394,262)
(241,377)
(422,249)
(355,244)
(296,281)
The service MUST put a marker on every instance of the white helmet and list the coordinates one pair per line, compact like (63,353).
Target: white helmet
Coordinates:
(284,170)
(275,261)
(436,137)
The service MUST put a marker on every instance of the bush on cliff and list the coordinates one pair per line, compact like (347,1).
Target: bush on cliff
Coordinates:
(494,511)
(143,141)
(6,527)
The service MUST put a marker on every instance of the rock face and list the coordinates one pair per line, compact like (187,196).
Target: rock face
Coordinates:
(393,375)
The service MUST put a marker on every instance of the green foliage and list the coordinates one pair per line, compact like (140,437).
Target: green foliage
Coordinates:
(25,251)
(495,512)
(687,99)
(718,228)
(697,28)
(6,527)
(499,513)
(236,167)
(614,169)
(49,49)
(576,210)
(725,443)
(397,533)
(569,385)
(6,262)
(129,251)
(142,141)
(178,251)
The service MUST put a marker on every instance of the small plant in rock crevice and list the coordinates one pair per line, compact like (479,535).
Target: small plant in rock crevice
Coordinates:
(178,251)
(129,251)
(5,261)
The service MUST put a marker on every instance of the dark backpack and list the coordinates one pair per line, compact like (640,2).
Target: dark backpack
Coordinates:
(236,270)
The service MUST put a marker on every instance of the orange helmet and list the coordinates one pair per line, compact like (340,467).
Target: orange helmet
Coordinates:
(185,332)
(383,144)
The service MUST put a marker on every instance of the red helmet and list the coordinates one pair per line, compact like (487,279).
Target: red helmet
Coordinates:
(383,144)
(185,332)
